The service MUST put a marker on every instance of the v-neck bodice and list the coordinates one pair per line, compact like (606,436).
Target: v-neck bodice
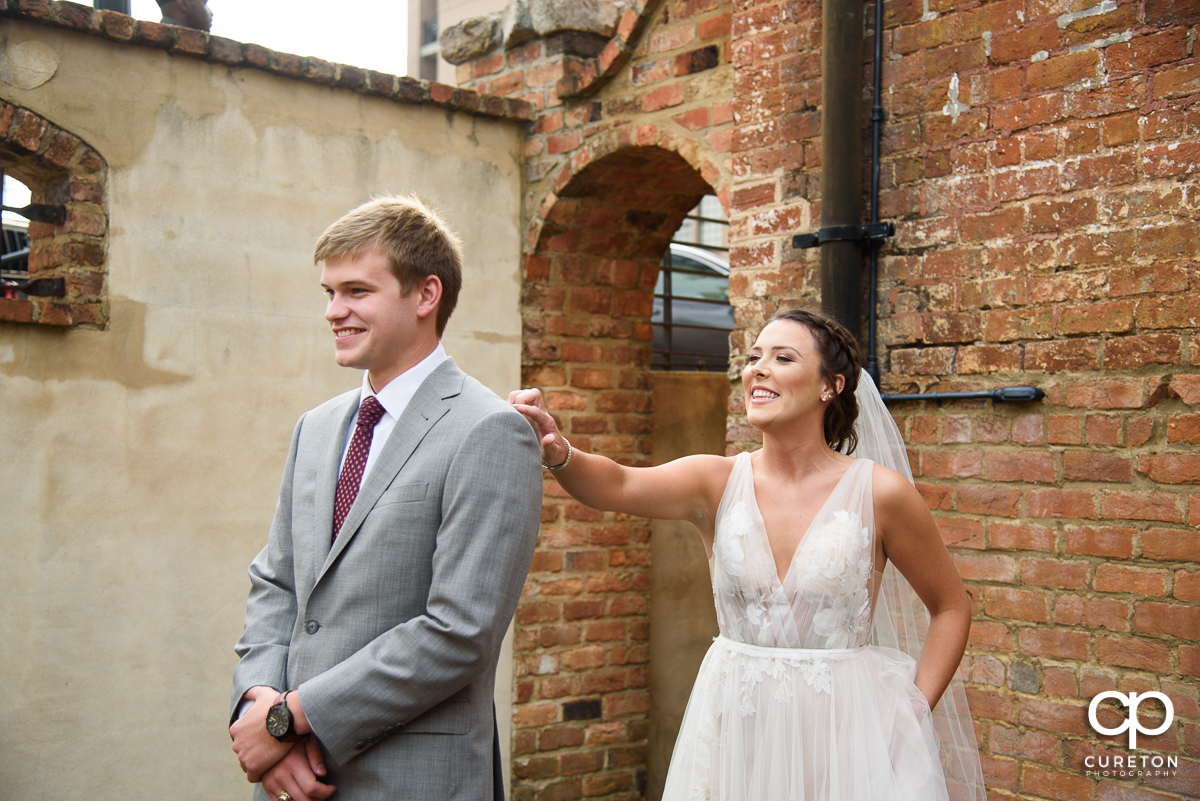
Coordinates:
(824,598)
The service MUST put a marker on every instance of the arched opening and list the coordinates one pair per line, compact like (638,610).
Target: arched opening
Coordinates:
(59,181)
(692,315)
(14,246)
(582,705)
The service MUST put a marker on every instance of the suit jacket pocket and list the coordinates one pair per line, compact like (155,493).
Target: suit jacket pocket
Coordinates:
(402,493)
(452,716)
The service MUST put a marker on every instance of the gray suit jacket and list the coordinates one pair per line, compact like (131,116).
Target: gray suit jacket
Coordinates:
(391,636)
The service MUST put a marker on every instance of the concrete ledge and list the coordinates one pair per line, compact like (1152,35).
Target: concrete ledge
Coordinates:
(198,44)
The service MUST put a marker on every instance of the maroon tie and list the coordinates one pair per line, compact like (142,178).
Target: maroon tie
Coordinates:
(369,412)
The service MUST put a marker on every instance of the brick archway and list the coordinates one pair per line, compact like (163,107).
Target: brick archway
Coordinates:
(59,168)
(582,626)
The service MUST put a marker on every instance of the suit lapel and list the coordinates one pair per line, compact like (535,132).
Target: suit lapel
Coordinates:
(427,406)
(331,449)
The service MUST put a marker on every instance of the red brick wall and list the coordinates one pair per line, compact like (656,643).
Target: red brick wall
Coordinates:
(582,624)
(1047,235)
(58,168)
(623,146)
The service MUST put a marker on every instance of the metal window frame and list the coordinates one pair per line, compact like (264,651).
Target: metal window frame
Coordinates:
(668,325)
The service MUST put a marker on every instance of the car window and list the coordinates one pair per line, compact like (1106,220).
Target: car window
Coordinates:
(701,287)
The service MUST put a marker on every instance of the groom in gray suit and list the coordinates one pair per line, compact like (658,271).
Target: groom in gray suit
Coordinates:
(406,522)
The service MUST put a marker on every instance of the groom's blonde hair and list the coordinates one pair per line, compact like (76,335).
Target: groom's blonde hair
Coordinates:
(414,239)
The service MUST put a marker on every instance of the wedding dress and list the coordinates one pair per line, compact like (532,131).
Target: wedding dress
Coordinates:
(808,694)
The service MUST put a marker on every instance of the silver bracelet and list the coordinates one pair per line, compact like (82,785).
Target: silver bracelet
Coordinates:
(564,462)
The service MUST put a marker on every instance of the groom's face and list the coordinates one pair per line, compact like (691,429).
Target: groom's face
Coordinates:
(374,323)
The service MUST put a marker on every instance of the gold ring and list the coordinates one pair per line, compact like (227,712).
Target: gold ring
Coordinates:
(284,796)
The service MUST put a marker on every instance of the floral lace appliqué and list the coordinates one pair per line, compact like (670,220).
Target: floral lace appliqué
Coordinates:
(732,546)
(835,575)
(815,672)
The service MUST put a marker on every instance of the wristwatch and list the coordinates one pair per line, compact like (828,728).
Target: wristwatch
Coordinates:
(280,723)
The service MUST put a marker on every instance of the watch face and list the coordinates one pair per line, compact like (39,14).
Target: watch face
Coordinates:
(278,721)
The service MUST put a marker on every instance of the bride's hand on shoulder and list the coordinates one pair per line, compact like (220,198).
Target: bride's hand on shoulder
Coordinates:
(531,404)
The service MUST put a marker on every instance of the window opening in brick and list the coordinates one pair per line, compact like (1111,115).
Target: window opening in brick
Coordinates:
(14,256)
(692,316)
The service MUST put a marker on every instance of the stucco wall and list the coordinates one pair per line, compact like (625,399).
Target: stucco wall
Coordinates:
(141,462)
(689,418)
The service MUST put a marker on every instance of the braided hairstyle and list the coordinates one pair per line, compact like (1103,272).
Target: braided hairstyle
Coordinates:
(840,355)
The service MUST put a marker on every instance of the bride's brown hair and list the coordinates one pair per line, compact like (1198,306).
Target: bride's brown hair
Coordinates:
(840,355)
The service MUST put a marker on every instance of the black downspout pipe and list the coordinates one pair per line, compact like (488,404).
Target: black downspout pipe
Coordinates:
(841,157)
(841,238)
(877,119)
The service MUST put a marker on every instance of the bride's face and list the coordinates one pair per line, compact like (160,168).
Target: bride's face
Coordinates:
(782,378)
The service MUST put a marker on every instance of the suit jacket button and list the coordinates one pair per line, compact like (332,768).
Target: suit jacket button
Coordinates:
(312,626)
(360,745)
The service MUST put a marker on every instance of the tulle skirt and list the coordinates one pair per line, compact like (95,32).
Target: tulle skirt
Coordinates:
(781,724)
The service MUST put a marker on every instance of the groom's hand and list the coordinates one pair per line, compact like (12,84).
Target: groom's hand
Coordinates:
(299,774)
(256,749)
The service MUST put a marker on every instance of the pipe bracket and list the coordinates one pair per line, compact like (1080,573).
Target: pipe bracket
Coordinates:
(873,234)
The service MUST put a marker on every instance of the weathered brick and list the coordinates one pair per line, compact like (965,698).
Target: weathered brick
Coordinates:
(1021,536)
(1134,653)
(1106,394)
(987,500)
(1103,430)
(1029,429)
(665,97)
(1054,784)
(990,703)
(1091,466)
(1179,311)
(1054,716)
(1109,541)
(988,359)
(1140,505)
(1172,545)
(1186,388)
(1061,503)
(961,532)
(1109,613)
(1032,467)
(1152,617)
(985,567)
(1129,353)
(1054,573)
(526,716)
(1113,317)
(1017,604)
(1054,643)
(1171,468)
(1063,429)
(1128,579)
(951,464)
(923,361)
(1187,585)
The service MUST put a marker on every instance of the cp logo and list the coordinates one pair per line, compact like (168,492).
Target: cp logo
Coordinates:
(1132,723)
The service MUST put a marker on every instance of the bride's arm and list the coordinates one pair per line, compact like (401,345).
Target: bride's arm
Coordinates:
(679,490)
(911,540)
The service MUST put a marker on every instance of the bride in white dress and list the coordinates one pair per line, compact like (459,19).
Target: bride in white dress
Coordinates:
(821,684)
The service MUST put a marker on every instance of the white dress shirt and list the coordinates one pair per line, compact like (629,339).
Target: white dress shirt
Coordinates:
(394,399)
